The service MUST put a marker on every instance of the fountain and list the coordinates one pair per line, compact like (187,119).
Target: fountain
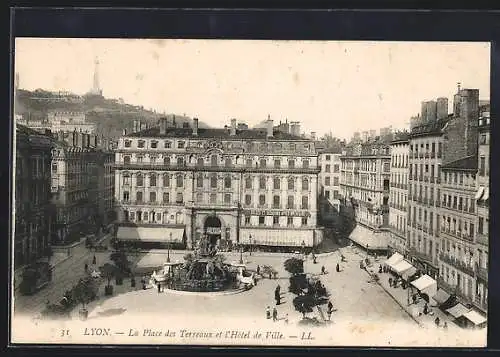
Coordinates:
(204,271)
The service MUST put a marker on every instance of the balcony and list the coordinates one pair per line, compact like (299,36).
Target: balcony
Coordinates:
(425,257)
(462,295)
(459,264)
(431,179)
(482,273)
(482,239)
(449,288)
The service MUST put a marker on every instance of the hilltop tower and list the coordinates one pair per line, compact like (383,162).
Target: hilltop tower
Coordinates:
(96,88)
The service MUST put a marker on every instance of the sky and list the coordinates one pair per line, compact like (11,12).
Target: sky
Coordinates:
(328,86)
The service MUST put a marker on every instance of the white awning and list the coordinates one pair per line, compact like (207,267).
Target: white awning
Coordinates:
(366,237)
(425,284)
(441,296)
(457,310)
(479,193)
(475,317)
(404,269)
(151,234)
(278,237)
(486,194)
(394,259)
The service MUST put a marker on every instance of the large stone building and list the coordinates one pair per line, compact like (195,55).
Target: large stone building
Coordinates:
(60,120)
(482,208)
(247,187)
(329,184)
(33,210)
(364,183)
(82,185)
(398,203)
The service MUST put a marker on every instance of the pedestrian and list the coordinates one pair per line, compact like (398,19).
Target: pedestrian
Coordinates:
(323,270)
(337,268)
(275,314)
(380,268)
(286,318)
(268,313)
(278,289)
(436,321)
(330,310)
(159,288)
(414,298)
(390,281)
(426,309)
(86,267)
(445,325)
(258,269)
(94,260)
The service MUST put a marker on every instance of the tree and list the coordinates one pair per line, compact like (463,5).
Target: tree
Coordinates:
(83,293)
(294,266)
(108,272)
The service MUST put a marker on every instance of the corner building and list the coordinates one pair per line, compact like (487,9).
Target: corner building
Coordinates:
(248,187)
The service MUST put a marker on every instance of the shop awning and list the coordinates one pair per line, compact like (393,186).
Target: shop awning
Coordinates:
(404,268)
(394,259)
(486,194)
(426,285)
(151,234)
(277,237)
(366,237)
(457,310)
(475,317)
(479,193)
(441,297)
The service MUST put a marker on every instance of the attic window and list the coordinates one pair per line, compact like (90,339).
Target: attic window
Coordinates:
(180,144)
(154,144)
(168,144)
(140,144)
(128,143)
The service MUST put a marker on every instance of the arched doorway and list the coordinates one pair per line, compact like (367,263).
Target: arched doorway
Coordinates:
(213,230)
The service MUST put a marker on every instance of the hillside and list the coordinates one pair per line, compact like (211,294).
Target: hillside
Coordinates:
(110,115)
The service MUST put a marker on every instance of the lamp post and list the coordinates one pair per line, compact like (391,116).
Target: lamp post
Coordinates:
(241,254)
(250,240)
(303,248)
(168,248)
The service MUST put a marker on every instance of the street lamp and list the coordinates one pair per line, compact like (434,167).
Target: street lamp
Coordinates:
(241,254)
(250,240)
(168,248)
(303,247)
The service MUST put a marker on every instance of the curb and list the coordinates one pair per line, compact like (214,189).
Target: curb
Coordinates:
(195,293)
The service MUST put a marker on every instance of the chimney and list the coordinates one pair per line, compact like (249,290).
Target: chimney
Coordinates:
(269,126)
(173,121)
(233,127)
(195,127)
(313,135)
(442,108)
(163,126)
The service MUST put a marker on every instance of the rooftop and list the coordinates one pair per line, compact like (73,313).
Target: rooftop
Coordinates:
(211,133)
(401,136)
(28,131)
(430,128)
(466,163)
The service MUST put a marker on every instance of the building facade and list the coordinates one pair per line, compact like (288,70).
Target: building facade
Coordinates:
(243,187)
(458,222)
(482,208)
(329,184)
(33,208)
(82,185)
(398,203)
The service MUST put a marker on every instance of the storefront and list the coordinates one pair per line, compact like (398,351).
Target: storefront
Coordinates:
(426,287)
(372,241)
(152,237)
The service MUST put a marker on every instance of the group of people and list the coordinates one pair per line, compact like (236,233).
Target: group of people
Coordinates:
(274,314)
(94,262)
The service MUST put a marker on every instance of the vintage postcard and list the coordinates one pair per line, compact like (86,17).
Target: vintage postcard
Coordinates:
(269,193)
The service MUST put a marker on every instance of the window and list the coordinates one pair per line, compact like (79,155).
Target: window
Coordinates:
(199,181)
(126,179)
(138,196)
(262,200)
(249,163)
(200,162)
(289,221)
(305,202)
(247,220)
(139,216)
(336,194)
(305,184)
(166,197)
(327,168)
(140,180)
(327,181)
(213,198)
(140,144)
(227,182)
(126,196)
(248,200)
(276,201)
(227,198)
(291,183)
(480,227)
(336,181)
(305,164)
(304,221)
(482,139)
(263,162)
(128,143)
(213,181)
(180,145)
(276,220)
(248,182)
(214,160)
(387,166)
(180,161)
(262,183)
(154,144)
(277,183)
(261,220)
(166,161)
(327,158)
(277,163)
(482,166)
(152,180)
(152,197)
(336,168)
(168,145)
(179,198)
(291,163)
(327,194)
(179,181)
(228,162)
(290,202)
(199,198)
(166,180)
